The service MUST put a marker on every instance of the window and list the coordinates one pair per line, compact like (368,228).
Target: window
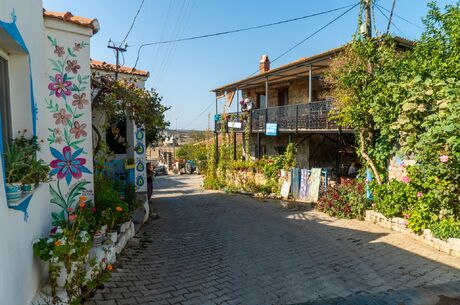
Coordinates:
(261,101)
(5,100)
(283,96)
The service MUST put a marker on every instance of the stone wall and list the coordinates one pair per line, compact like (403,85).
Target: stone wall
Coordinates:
(298,92)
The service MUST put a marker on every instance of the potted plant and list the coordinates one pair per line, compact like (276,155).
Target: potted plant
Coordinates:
(129,163)
(37,172)
(15,167)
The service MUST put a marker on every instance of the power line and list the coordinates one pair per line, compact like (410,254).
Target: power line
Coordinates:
(133,22)
(311,35)
(201,113)
(238,30)
(402,18)
(396,27)
(293,47)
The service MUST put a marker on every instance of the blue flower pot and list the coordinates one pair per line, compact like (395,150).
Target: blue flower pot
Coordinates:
(27,188)
(13,192)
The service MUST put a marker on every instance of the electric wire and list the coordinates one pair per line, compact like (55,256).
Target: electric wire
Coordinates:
(239,30)
(396,27)
(132,23)
(311,35)
(402,18)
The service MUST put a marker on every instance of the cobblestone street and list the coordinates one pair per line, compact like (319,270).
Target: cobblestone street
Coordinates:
(215,248)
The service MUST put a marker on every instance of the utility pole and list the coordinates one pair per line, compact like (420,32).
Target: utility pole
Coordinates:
(118,50)
(368,12)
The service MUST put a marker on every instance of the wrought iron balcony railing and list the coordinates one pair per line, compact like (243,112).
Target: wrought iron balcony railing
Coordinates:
(290,118)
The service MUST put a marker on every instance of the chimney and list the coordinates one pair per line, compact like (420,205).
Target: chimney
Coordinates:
(264,64)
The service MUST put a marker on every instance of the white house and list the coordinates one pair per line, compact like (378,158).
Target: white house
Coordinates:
(45,89)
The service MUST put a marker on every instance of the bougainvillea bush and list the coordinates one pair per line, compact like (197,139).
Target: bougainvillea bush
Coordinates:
(346,200)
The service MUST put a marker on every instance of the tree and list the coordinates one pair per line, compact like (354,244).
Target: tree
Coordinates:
(362,81)
(116,98)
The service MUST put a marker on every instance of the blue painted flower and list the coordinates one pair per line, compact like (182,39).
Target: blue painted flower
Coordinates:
(67,165)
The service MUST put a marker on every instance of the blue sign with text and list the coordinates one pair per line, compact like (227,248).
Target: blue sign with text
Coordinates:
(271,129)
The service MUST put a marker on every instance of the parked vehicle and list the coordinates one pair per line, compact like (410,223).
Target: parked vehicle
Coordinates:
(160,170)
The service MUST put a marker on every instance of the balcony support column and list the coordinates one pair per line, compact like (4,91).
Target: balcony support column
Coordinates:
(216,133)
(266,92)
(310,85)
(258,145)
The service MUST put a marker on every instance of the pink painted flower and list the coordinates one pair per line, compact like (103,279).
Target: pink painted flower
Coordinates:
(69,210)
(60,86)
(59,51)
(78,130)
(406,179)
(57,131)
(80,100)
(67,165)
(61,117)
(58,140)
(73,66)
(419,194)
(444,158)
(77,47)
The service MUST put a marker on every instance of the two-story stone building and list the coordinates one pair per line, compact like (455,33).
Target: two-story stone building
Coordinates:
(290,105)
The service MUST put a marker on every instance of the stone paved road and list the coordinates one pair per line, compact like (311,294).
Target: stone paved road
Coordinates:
(213,248)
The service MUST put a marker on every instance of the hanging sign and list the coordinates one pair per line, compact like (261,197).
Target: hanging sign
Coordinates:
(236,125)
(271,129)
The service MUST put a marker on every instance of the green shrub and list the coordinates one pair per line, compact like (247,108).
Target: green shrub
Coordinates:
(394,198)
(446,228)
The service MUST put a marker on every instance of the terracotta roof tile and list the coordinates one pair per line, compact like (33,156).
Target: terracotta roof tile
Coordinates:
(69,17)
(102,65)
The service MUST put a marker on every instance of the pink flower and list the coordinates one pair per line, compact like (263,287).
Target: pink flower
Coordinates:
(57,131)
(406,216)
(406,179)
(72,217)
(59,51)
(78,130)
(77,47)
(61,117)
(80,100)
(60,86)
(73,66)
(93,210)
(419,194)
(444,158)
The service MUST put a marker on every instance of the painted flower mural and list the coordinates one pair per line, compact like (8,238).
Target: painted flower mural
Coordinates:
(68,136)
(67,165)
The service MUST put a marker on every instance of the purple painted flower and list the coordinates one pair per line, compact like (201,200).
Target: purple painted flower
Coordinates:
(406,179)
(444,158)
(60,85)
(67,165)
(419,194)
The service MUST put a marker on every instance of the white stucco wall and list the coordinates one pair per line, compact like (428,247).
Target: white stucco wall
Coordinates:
(21,274)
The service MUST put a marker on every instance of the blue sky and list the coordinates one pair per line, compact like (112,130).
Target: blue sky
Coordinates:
(184,73)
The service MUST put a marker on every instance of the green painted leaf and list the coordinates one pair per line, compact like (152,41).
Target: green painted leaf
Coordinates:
(57,199)
(76,190)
